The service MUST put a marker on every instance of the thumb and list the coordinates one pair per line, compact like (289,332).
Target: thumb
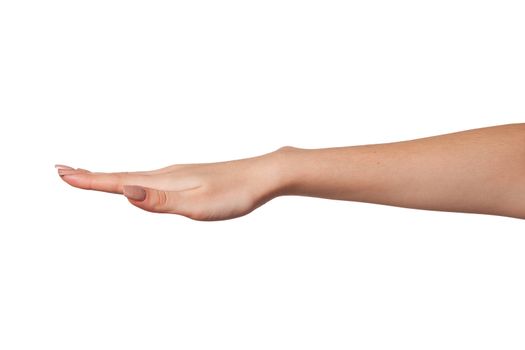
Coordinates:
(153,200)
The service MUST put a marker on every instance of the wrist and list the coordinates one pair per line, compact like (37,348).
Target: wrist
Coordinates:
(284,170)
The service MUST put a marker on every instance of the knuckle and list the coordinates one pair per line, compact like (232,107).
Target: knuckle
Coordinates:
(160,201)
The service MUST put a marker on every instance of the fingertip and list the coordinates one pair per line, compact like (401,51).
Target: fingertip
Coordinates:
(77,180)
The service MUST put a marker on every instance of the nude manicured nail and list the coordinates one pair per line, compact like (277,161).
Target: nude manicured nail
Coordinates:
(135,193)
(71,171)
(62,166)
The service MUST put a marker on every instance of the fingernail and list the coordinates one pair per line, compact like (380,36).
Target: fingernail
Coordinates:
(63,172)
(135,193)
(62,166)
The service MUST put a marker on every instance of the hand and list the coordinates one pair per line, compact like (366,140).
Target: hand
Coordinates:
(210,191)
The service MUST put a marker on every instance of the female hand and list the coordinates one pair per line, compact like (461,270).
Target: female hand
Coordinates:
(473,171)
(210,191)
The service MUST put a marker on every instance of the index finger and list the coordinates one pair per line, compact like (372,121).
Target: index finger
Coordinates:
(106,182)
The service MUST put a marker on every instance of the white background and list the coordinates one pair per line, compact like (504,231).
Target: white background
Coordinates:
(136,85)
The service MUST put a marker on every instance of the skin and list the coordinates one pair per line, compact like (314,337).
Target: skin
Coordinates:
(474,171)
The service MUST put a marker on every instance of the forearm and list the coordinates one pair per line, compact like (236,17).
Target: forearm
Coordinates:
(479,171)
